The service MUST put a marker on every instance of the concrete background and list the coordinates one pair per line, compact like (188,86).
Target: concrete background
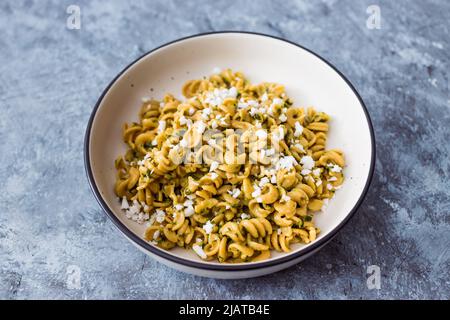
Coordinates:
(51,77)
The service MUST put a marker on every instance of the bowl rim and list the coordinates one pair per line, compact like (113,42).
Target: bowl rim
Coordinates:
(205,265)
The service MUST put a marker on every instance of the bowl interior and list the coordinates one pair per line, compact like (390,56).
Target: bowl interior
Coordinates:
(309,81)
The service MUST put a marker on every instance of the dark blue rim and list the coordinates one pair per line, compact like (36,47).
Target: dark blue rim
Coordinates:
(225,267)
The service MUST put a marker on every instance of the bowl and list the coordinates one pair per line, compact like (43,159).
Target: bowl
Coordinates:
(309,80)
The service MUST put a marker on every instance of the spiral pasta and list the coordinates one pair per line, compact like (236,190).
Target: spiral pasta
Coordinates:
(232,172)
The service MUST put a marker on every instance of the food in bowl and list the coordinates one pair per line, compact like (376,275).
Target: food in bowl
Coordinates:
(231,172)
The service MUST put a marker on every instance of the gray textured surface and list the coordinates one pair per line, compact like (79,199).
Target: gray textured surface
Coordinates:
(50,78)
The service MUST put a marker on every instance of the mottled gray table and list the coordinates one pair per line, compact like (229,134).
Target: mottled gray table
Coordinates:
(52,229)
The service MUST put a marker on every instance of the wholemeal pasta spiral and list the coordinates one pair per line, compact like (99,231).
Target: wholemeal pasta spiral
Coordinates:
(233,171)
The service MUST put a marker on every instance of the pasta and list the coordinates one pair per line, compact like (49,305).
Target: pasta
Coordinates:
(233,172)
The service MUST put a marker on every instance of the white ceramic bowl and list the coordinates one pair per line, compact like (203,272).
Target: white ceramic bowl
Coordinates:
(309,81)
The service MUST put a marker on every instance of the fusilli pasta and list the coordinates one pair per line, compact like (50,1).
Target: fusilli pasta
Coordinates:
(233,171)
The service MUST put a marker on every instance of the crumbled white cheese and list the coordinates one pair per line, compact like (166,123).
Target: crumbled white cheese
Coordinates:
(264,97)
(179,207)
(259,200)
(191,111)
(189,211)
(279,231)
(216,97)
(264,181)
(183,120)
(329,186)
(287,162)
(258,125)
(208,227)
(235,193)
(161,125)
(285,198)
(283,118)
(211,142)
(307,162)
(277,102)
(133,210)
(273,179)
(199,251)
(156,234)
(245,216)
(298,129)
(253,103)
(305,172)
(261,133)
(336,168)
(318,182)
(316,172)
(253,111)
(270,152)
(213,98)
(206,113)
(257,192)
(160,215)
(232,92)
(188,203)
(125,204)
(214,124)
(242,104)
(227,206)
(332,179)
(214,166)
(214,175)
